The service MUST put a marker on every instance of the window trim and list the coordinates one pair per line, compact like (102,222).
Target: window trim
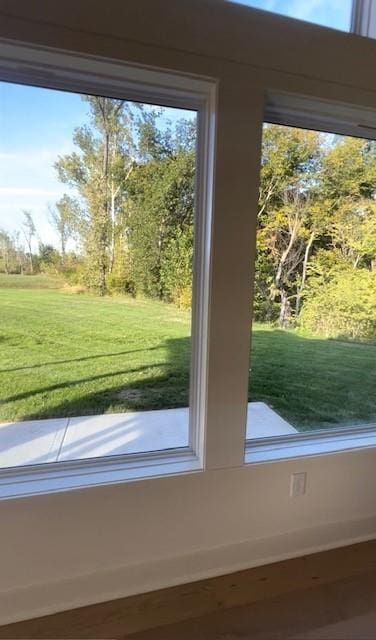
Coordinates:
(55,69)
(363,18)
(308,112)
(320,442)
(54,477)
(344,119)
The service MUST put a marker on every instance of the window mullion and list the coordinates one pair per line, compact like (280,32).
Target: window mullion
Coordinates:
(240,114)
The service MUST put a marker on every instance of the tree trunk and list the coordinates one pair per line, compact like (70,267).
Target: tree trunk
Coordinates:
(285,311)
(62,252)
(304,274)
(103,216)
(102,279)
(102,259)
(31,261)
(114,193)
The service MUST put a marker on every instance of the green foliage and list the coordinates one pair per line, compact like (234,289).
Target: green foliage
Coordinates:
(135,190)
(344,306)
(317,220)
(48,259)
(264,308)
(176,270)
(161,206)
(97,171)
(131,211)
(349,170)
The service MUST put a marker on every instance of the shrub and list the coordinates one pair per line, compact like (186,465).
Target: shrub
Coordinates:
(176,270)
(345,306)
(119,284)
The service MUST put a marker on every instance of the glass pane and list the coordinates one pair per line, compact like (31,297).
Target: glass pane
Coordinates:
(313,361)
(96,244)
(332,13)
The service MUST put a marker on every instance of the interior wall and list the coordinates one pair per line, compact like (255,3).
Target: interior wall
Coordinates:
(64,550)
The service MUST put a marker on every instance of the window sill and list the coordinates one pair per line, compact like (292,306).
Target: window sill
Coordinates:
(309,444)
(56,477)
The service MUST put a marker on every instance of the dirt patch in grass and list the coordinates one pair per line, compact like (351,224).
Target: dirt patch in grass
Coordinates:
(133,395)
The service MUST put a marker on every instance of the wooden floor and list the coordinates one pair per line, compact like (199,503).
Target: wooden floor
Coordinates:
(329,595)
(338,611)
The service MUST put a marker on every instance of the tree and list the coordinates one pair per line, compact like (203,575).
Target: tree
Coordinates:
(98,171)
(48,258)
(161,206)
(288,192)
(176,271)
(343,306)
(63,218)
(7,252)
(29,232)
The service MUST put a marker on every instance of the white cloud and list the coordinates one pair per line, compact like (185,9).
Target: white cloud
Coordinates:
(28,181)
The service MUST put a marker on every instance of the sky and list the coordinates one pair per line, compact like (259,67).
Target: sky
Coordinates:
(329,13)
(36,126)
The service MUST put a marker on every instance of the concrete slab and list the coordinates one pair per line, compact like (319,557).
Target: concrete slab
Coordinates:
(33,442)
(264,422)
(123,433)
(40,441)
(120,433)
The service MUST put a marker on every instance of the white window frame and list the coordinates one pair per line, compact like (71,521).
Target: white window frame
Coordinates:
(344,119)
(363,18)
(50,68)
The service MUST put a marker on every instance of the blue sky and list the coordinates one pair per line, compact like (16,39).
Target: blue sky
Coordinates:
(330,13)
(36,125)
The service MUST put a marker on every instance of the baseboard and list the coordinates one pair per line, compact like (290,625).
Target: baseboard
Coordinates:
(63,595)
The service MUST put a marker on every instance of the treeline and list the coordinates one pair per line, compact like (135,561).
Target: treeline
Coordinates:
(316,258)
(130,219)
(132,216)
(128,211)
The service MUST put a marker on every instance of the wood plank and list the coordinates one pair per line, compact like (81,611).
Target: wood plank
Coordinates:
(343,610)
(118,618)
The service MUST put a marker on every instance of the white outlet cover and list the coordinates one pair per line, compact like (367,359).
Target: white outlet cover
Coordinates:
(298,484)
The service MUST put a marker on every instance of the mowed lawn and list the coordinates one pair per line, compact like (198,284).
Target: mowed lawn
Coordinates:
(63,354)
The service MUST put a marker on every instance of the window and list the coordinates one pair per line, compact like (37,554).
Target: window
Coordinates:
(313,365)
(355,16)
(104,253)
(364,18)
(335,14)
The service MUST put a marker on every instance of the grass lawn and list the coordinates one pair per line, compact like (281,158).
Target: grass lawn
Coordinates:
(69,355)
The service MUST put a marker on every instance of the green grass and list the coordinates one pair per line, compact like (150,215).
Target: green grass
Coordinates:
(39,281)
(313,382)
(68,355)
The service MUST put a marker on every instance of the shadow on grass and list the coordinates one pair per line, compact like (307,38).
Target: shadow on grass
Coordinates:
(166,391)
(313,383)
(81,359)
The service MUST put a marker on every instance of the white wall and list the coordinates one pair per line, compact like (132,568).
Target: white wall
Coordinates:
(74,548)
(70,549)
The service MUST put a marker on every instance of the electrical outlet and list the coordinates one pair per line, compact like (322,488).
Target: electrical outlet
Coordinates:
(298,484)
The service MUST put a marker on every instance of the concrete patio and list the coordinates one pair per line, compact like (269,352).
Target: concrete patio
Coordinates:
(40,441)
